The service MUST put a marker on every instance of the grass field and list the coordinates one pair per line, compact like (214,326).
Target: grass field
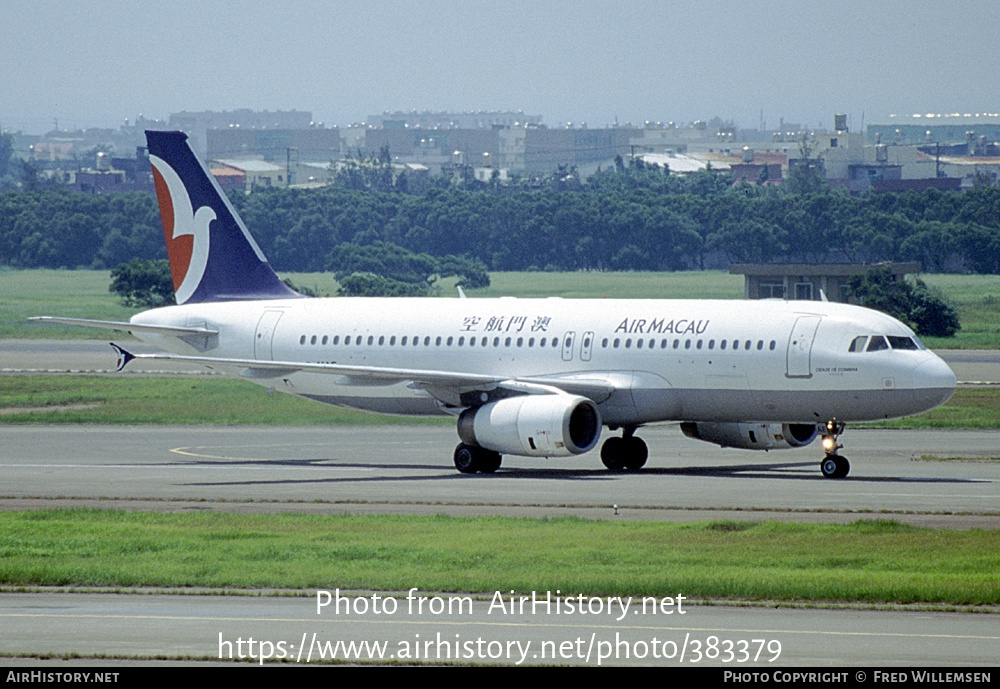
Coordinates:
(872,562)
(218,401)
(84,294)
(140,400)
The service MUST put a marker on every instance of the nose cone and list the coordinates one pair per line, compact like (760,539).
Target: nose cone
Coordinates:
(935,381)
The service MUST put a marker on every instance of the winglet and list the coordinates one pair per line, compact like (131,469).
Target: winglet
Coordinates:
(123,356)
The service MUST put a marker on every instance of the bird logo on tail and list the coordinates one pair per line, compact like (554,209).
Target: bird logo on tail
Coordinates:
(186,230)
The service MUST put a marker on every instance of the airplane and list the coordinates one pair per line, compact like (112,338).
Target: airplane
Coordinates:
(529,377)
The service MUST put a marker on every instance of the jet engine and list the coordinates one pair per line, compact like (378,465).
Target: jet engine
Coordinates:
(533,425)
(753,436)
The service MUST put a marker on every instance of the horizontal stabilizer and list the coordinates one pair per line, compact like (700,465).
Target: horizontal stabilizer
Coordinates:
(124,326)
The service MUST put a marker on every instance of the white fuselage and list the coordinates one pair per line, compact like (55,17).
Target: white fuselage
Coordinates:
(688,360)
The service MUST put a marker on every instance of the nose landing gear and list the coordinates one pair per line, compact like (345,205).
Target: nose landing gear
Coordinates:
(833,465)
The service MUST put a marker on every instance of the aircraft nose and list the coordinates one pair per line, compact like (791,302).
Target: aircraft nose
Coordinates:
(935,377)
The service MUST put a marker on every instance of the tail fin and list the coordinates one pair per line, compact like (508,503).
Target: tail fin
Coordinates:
(212,255)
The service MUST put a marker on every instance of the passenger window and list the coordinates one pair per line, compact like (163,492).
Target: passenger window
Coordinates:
(878,343)
(858,344)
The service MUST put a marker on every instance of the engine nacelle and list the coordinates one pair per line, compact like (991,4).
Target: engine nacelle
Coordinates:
(753,436)
(533,425)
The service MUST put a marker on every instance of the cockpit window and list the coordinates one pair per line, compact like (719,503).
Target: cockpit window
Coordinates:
(878,343)
(898,342)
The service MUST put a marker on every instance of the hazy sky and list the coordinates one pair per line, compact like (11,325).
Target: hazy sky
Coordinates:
(98,62)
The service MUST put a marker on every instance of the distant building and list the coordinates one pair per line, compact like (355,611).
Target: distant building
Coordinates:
(805,281)
(934,128)
(228,177)
(848,163)
(256,173)
(274,145)
(533,149)
(546,149)
(428,120)
(197,124)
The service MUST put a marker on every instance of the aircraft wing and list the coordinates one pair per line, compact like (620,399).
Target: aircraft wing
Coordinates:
(448,386)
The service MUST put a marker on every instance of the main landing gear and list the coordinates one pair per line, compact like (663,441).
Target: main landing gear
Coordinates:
(470,459)
(627,453)
(833,465)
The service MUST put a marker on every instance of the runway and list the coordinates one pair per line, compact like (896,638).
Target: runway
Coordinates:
(116,628)
(409,469)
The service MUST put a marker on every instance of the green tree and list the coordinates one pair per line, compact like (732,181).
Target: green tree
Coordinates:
(371,285)
(917,305)
(142,283)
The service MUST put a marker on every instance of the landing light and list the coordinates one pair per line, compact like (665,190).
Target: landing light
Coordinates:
(829,443)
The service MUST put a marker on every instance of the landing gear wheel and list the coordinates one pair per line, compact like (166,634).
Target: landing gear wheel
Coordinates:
(835,466)
(470,459)
(624,454)
(465,459)
(636,453)
(612,454)
(490,461)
